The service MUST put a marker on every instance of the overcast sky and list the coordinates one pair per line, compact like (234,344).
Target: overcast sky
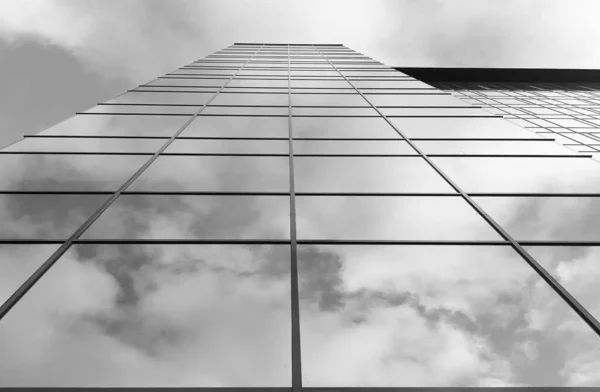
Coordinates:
(61,56)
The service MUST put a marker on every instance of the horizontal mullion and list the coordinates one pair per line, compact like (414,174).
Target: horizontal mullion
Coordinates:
(321,194)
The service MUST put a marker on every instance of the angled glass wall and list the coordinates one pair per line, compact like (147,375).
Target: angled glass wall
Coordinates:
(566,112)
(296,217)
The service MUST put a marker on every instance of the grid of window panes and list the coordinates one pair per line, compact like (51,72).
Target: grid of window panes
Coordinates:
(296,217)
(566,112)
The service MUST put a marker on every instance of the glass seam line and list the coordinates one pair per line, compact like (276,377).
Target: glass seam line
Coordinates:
(295,301)
(557,287)
(46,265)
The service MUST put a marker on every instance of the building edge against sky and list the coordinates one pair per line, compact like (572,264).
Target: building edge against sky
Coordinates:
(297,216)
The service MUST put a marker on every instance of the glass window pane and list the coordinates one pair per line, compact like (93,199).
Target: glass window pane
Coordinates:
(500,147)
(205,82)
(549,175)
(159,217)
(39,172)
(221,126)
(247,111)
(366,174)
(90,124)
(17,263)
(460,128)
(258,83)
(339,127)
(251,99)
(144,109)
(433,112)
(88,144)
(545,218)
(154,316)
(176,89)
(435,316)
(320,83)
(45,216)
(163,98)
(414,100)
(328,100)
(400,84)
(362,147)
(389,218)
(341,111)
(215,173)
(575,268)
(224,146)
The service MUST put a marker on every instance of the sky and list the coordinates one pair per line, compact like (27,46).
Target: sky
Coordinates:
(58,57)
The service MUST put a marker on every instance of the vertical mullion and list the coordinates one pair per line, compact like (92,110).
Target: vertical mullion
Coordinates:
(296,347)
(46,265)
(547,277)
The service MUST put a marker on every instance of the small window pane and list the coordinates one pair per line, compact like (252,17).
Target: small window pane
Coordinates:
(328,100)
(251,99)
(200,82)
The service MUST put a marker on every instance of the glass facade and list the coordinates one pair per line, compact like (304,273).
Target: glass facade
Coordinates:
(297,217)
(566,112)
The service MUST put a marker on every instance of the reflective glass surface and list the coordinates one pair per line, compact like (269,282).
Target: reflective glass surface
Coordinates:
(328,100)
(354,147)
(546,218)
(39,172)
(392,316)
(45,216)
(118,125)
(366,174)
(505,147)
(414,100)
(231,146)
(459,128)
(88,144)
(17,263)
(154,316)
(159,217)
(220,126)
(155,109)
(389,218)
(215,173)
(163,98)
(550,175)
(251,99)
(340,127)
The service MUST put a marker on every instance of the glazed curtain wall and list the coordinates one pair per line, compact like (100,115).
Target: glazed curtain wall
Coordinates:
(296,216)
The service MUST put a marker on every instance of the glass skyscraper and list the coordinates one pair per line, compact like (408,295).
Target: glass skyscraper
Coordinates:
(296,217)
